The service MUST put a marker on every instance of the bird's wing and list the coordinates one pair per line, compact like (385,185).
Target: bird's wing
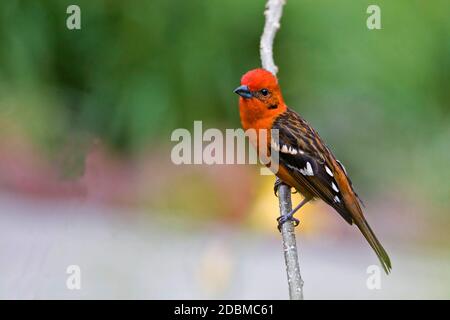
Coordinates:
(309,162)
(312,167)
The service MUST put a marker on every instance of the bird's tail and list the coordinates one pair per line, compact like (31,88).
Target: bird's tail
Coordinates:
(365,229)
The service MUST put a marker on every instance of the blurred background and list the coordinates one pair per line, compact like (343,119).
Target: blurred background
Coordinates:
(85,172)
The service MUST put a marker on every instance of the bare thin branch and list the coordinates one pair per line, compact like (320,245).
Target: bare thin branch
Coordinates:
(273,13)
(295,281)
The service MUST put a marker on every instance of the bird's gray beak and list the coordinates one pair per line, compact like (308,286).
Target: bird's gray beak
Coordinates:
(243,91)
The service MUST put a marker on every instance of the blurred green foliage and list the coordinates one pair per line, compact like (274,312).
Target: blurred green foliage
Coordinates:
(138,69)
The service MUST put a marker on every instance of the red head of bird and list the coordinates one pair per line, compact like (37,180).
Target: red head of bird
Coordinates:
(260,99)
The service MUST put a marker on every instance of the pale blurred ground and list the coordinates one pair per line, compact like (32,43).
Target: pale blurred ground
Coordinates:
(132,255)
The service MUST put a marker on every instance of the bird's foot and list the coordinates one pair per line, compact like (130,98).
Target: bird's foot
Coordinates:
(277,183)
(288,217)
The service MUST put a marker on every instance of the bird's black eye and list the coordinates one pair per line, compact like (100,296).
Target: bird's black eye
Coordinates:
(264,92)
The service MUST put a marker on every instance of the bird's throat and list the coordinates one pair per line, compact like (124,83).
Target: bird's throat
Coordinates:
(258,115)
